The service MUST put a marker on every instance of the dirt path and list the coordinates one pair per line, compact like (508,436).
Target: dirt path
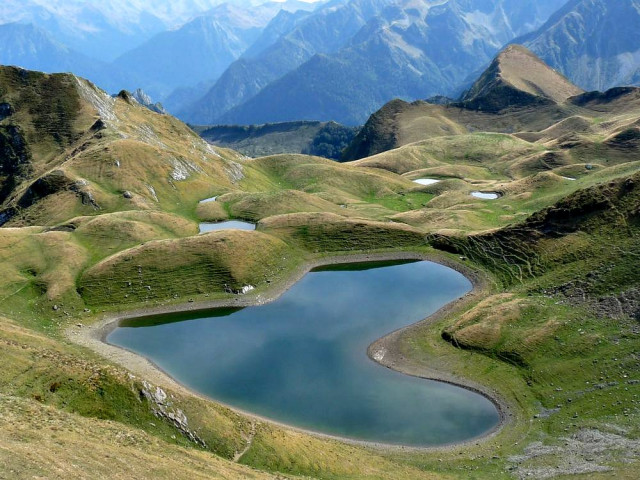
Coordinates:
(249,439)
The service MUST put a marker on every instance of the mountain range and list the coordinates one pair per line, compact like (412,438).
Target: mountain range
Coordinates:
(518,92)
(380,50)
(32,47)
(595,43)
(103,29)
(201,49)
(248,62)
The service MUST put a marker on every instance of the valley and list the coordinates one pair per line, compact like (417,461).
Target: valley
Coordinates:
(527,185)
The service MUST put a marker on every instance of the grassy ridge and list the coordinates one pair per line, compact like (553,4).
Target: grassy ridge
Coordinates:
(227,260)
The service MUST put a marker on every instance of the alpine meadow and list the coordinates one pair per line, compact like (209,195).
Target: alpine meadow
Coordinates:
(332,240)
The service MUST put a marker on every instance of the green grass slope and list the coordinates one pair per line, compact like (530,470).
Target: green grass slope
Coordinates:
(553,332)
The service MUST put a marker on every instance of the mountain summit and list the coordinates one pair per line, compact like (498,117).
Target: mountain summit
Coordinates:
(516,81)
(516,77)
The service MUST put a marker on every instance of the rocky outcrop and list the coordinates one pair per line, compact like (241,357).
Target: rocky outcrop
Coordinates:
(143,99)
(6,110)
(522,251)
(52,183)
(378,134)
(15,158)
(163,407)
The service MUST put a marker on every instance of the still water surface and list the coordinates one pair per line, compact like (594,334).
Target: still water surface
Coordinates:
(229,224)
(302,359)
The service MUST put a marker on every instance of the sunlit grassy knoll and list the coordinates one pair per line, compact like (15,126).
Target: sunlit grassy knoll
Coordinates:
(106,234)
(316,175)
(325,232)
(165,270)
(88,153)
(256,206)
(490,151)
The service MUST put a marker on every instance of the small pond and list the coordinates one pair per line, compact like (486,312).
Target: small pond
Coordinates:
(208,200)
(302,359)
(486,195)
(237,224)
(426,181)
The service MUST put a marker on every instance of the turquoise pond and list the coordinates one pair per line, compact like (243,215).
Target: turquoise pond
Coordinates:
(302,359)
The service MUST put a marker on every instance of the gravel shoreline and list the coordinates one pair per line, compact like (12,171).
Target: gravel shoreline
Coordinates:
(385,351)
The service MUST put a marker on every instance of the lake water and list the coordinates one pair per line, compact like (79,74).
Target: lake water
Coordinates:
(302,359)
(426,181)
(486,195)
(237,224)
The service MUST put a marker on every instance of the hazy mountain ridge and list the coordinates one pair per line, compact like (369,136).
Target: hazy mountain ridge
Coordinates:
(324,139)
(103,29)
(595,43)
(328,29)
(31,47)
(404,49)
(164,47)
(201,49)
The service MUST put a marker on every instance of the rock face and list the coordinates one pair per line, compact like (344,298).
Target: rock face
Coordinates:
(377,135)
(6,110)
(163,408)
(15,159)
(143,99)
(595,43)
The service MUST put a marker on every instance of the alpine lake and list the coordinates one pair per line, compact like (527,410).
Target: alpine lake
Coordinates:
(302,359)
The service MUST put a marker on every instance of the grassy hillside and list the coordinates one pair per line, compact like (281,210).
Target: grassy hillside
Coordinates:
(101,210)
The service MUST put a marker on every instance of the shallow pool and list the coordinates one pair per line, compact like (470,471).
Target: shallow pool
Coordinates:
(486,195)
(237,224)
(426,181)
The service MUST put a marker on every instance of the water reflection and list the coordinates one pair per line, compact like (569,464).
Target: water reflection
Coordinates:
(302,359)
(231,224)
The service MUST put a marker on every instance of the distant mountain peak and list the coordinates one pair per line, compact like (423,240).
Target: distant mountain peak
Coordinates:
(594,42)
(143,99)
(517,78)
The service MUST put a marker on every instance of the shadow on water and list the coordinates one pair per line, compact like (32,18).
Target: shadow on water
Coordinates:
(168,318)
(361,266)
